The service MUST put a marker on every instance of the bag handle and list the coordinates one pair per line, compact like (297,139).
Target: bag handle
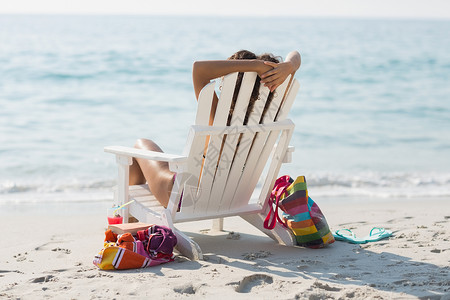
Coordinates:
(279,189)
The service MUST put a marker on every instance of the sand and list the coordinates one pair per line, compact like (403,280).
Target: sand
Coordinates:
(47,251)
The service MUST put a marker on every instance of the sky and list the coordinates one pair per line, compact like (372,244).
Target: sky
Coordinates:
(410,9)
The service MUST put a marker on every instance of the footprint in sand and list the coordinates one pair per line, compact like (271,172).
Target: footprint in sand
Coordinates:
(352,224)
(391,221)
(185,289)
(436,251)
(66,251)
(325,287)
(255,255)
(46,278)
(9,271)
(21,256)
(233,236)
(249,282)
(53,240)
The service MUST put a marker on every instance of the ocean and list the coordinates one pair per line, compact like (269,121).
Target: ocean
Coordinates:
(372,115)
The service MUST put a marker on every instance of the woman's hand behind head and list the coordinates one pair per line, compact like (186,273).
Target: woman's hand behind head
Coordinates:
(277,75)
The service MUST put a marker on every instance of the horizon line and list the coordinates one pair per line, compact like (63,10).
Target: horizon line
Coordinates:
(256,16)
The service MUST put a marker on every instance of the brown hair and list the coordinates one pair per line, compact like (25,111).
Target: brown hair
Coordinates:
(275,59)
(245,54)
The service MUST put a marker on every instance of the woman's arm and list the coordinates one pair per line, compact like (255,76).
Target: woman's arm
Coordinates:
(276,76)
(204,71)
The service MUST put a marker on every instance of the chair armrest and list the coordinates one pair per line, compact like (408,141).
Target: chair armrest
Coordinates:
(145,154)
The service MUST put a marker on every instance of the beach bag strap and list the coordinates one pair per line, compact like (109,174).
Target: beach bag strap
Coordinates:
(279,190)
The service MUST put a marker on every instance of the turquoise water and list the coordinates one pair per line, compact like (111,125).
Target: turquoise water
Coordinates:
(372,116)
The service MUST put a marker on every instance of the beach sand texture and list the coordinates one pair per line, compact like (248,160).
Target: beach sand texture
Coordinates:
(49,255)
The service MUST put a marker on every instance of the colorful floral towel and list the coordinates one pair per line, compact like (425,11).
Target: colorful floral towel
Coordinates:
(150,247)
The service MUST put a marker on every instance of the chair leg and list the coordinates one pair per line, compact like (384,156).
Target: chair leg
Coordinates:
(217,224)
(187,247)
(280,234)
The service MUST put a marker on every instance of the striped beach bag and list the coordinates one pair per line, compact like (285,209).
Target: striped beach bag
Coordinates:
(300,213)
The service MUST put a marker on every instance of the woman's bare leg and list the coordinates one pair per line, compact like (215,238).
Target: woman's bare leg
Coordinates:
(136,176)
(157,174)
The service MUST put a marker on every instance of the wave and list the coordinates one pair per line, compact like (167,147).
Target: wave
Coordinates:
(16,193)
(11,187)
(320,184)
(382,185)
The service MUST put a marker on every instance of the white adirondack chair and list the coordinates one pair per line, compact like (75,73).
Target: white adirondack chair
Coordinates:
(219,182)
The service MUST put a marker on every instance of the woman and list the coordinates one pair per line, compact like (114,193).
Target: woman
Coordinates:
(271,73)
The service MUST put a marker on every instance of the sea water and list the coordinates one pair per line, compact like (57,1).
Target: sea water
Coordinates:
(372,115)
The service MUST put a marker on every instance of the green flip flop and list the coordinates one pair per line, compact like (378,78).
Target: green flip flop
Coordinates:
(378,233)
(347,235)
